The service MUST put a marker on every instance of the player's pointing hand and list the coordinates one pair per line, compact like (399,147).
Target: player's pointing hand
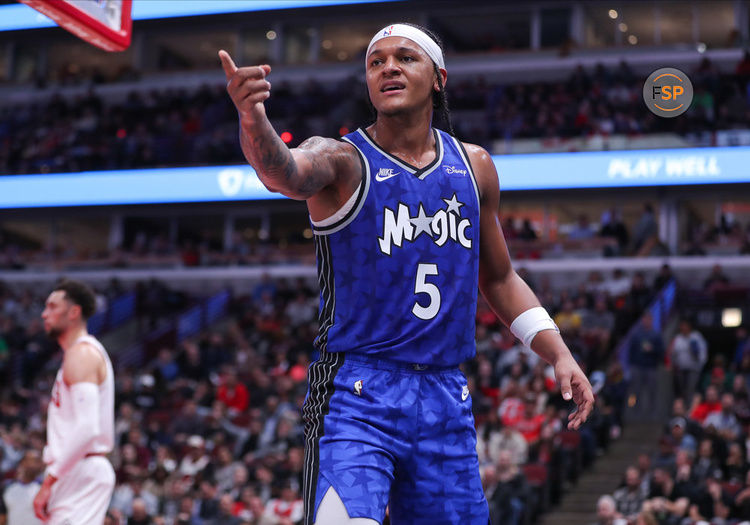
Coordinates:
(247,86)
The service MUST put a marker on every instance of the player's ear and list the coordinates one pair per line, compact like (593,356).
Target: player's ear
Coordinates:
(75,311)
(443,79)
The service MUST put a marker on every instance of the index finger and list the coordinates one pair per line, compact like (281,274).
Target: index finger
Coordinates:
(227,63)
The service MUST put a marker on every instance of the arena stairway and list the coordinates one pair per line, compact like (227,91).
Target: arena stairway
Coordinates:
(578,503)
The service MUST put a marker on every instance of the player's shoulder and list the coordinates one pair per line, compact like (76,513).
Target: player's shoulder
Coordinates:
(477,154)
(81,360)
(327,146)
(483,167)
(85,348)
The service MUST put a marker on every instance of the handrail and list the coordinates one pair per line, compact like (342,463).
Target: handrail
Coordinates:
(118,312)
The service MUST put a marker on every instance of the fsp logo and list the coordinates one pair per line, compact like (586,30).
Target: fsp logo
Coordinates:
(668,92)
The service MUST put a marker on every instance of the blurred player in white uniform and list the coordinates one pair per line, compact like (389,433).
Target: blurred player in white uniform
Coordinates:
(79,479)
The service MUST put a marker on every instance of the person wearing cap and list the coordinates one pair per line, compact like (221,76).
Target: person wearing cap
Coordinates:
(682,439)
(404,217)
(196,459)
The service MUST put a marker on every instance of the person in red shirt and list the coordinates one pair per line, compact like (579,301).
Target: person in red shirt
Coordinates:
(232,392)
(530,424)
(708,406)
(511,406)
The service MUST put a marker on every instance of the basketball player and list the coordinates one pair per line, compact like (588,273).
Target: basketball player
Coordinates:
(79,479)
(405,223)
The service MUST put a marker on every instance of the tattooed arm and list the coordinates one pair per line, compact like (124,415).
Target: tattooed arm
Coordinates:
(298,173)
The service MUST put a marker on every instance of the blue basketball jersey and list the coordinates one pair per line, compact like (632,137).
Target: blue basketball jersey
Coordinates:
(398,264)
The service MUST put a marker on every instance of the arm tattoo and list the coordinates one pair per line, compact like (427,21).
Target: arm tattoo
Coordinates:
(276,167)
(268,154)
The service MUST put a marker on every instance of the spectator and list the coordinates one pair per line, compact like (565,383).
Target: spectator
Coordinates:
(645,234)
(663,277)
(724,422)
(140,515)
(705,464)
(707,406)
(596,328)
(232,392)
(646,353)
(630,497)
(286,509)
(196,459)
(735,467)
(527,231)
(617,285)
(582,229)
(639,296)
(512,441)
(167,369)
(126,494)
(742,500)
(225,515)
(188,420)
(679,410)
(606,512)
(508,498)
(567,319)
(717,280)
(208,503)
(225,469)
(712,501)
(688,354)
(18,495)
(680,437)
(612,227)
(742,346)
(530,423)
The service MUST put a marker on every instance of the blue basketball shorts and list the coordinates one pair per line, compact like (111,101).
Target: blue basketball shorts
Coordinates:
(390,434)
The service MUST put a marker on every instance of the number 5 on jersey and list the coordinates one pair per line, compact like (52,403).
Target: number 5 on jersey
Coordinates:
(433,292)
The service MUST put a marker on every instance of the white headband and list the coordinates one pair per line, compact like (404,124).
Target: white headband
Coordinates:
(417,36)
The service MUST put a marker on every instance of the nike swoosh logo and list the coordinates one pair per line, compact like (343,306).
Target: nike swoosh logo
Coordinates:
(381,178)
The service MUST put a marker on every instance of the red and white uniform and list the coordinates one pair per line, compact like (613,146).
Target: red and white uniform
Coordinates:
(82,491)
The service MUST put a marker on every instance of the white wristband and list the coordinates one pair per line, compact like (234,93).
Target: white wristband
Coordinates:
(530,323)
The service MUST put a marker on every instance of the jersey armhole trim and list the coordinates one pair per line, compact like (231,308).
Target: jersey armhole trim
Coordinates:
(465,157)
(349,211)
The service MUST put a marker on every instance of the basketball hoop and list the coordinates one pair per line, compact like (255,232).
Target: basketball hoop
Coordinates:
(104,23)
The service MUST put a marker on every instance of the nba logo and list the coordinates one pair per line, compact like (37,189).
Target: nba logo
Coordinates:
(358,387)
(387,32)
